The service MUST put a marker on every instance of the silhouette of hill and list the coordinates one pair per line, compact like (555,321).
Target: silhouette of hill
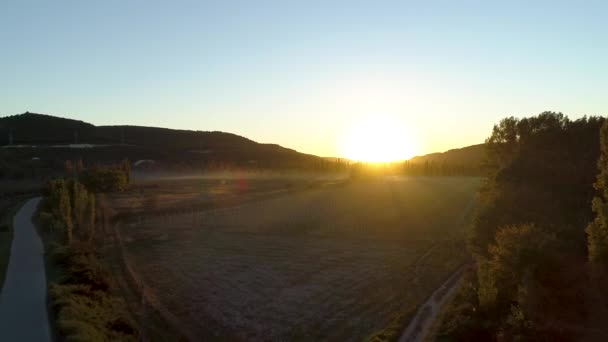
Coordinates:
(58,139)
(460,161)
(137,142)
(470,155)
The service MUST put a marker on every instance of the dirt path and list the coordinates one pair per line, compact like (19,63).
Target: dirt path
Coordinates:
(419,326)
(23,311)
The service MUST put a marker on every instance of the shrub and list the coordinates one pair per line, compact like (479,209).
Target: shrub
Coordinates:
(104,180)
(84,314)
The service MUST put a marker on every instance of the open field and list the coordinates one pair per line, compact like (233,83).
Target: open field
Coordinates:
(178,194)
(337,261)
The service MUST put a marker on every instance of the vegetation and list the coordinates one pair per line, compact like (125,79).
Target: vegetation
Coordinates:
(465,161)
(528,238)
(104,180)
(81,299)
(597,230)
(175,150)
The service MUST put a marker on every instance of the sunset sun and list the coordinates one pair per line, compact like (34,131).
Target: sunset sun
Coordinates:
(377,139)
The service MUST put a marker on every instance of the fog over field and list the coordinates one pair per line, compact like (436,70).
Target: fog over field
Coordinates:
(342,261)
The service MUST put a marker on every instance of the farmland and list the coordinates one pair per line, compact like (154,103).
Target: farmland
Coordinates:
(292,259)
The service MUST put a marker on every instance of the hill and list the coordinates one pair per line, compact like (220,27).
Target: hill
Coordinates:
(62,139)
(460,161)
(470,155)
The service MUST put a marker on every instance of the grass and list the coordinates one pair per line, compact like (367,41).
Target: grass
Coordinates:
(335,262)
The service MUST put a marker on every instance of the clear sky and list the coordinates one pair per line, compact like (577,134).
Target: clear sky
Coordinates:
(297,73)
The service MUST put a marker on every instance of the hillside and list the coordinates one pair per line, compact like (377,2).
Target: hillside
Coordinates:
(470,155)
(466,161)
(112,143)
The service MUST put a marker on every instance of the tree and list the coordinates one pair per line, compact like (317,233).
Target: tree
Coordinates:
(539,173)
(79,200)
(517,249)
(597,230)
(125,166)
(104,180)
(90,216)
(65,210)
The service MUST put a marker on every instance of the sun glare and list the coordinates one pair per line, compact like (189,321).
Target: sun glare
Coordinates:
(377,139)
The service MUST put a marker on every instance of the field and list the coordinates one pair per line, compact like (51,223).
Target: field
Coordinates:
(337,260)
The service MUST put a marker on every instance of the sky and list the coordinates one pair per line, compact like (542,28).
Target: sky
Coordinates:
(300,73)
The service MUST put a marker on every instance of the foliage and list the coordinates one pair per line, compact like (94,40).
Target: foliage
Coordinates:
(539,170)
(597,231)
(104,180)
(82,301)
(518,250)
(70,207)
(536,200)
(86,314)
(178,150)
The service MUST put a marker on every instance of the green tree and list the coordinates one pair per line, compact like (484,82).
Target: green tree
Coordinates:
(597,230)
(90,216)
(65,210)
(104,180)
(125,166)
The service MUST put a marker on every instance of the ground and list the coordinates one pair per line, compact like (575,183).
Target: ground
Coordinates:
(338,260)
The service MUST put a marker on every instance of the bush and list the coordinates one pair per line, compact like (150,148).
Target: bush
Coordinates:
(84,314)
(104,180)
(86,270)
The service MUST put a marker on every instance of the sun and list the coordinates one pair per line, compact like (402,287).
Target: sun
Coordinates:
(378,140)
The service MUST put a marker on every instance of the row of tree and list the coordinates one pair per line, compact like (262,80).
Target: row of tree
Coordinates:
(72,207)
(528,238)
(100,178)
(432,168)
(83,300)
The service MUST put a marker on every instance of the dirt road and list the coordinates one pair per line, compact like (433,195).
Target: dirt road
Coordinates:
(419,326)
(23,311)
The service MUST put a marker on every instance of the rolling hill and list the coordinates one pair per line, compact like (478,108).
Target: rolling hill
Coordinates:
(111,143)
(53,140)
(470,155)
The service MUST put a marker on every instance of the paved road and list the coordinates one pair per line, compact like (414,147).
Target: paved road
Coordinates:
(23,312)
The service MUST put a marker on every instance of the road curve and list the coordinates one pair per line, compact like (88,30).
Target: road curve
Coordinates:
(23,309)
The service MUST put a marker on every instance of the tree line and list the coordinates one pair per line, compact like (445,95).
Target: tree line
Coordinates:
(434,168)
(540,263)
(82,299)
